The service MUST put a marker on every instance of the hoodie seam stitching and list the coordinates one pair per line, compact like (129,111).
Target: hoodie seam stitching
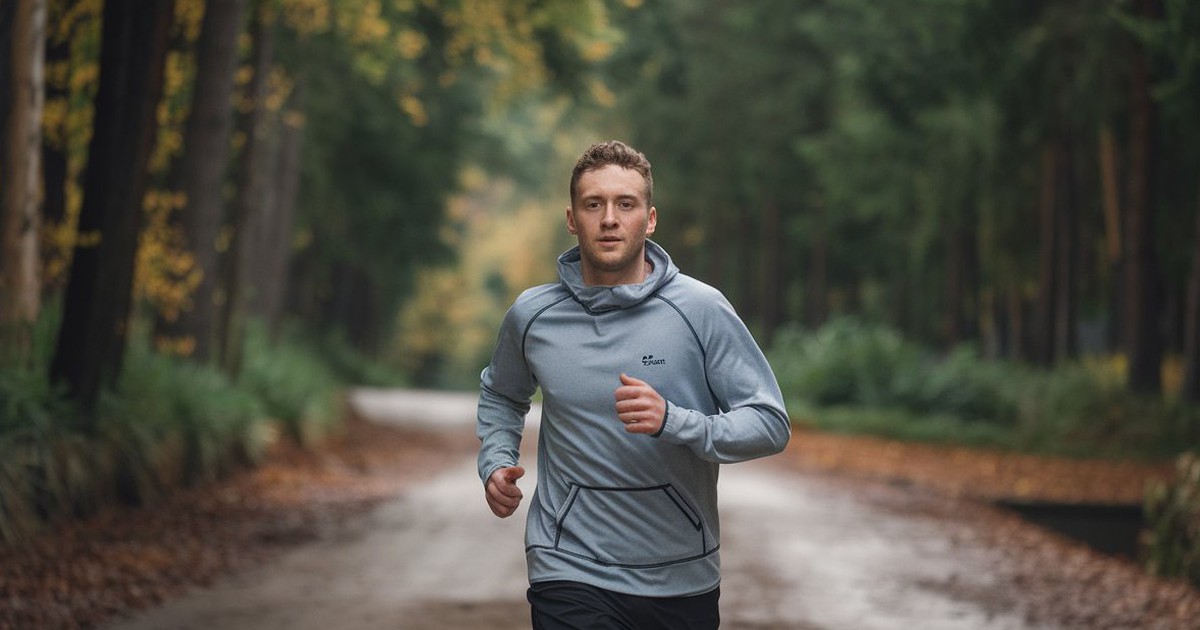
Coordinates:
(703,350)
(525,333)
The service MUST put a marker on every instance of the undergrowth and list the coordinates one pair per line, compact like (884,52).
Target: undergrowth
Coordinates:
(170,423)
(859,378)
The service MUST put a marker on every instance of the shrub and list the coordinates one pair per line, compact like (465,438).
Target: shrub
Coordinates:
(170,422)
(853,376)
(46,465)
(965,387)
(845,362)
(180,422)
(293,382)
(1171,540)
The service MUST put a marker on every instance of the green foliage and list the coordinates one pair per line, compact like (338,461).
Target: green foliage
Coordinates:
(45,466)
(170,423)
(348,365)
(1171,540)
(390,127)
(177,414)
(295,385)
(854,377)
(902,424)
(846,362)
(27,399)
(46,473)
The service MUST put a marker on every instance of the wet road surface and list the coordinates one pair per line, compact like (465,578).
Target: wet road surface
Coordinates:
(798,551)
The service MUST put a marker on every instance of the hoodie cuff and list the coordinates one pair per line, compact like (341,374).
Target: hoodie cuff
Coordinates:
(666,414)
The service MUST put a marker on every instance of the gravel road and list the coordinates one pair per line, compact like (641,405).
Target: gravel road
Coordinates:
(799,551)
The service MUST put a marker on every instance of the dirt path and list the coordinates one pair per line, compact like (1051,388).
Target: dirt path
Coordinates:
(800,550)
(805,552)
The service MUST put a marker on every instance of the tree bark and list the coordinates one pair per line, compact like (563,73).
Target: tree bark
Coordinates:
(1113,234)
(91,340)
(281,204)
(278,230)
(251,197)
(952,313)
(1143,293)
(741,283)
(771,281)
(1190,388)
(20,221)
(1043,345)
(1018,330)
(202,167)
(1110,194)
(1066,278)
(55,151)
(816,291)
(962,264)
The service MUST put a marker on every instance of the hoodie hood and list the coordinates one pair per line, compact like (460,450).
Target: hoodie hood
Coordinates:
(599,299)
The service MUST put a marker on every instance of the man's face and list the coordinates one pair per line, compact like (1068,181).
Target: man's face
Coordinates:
(610,217)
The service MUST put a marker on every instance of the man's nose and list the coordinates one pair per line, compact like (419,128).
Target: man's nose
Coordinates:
(610,214)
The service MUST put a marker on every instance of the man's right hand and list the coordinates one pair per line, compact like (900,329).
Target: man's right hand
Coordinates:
(501,490)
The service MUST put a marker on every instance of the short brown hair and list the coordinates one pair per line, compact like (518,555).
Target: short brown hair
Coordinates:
(615,152)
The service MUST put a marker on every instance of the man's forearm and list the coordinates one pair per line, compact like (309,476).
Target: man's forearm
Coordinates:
(740,434)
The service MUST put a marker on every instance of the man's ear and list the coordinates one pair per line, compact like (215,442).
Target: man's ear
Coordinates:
(570,221)
(652,221)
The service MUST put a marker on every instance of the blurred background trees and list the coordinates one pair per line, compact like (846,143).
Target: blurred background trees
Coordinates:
(223,186)
(1003,174)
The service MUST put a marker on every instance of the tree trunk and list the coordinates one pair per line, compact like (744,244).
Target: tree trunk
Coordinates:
(1110,194)
(20,234)
(1043,345)
(952,313)
(816,291)
(993,325)
(771,288)
(715,235)
(202,167)
(354,307)
(1066,278)
(251,197)
(1113,234)
(1018,330)
(1143,295)
(8,15)
(274,276)
(55,150)
(741,279)
(91,338)
(1190,388)
(962,264)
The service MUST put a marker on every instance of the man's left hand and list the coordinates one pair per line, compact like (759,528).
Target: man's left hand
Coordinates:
(639,406)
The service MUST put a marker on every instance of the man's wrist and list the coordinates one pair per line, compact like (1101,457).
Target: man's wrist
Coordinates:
(666,413)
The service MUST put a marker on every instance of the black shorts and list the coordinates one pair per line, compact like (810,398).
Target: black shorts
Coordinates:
(576,606)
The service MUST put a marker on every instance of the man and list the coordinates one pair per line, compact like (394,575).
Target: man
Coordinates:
(649,381)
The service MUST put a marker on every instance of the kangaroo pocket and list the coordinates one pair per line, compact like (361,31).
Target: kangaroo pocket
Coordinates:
(631,527)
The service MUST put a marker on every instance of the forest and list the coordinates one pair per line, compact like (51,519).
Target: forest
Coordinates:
(968,218)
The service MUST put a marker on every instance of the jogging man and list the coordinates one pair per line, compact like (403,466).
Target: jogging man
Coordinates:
(649,381)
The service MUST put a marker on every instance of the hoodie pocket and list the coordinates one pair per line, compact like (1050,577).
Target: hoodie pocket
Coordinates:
(631,527)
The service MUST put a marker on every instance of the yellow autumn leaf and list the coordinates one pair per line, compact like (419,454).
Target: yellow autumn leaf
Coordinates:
(410,44)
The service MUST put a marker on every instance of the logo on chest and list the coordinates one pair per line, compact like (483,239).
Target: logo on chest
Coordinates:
(649,360)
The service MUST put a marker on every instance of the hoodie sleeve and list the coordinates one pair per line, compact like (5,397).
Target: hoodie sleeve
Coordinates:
(752,421)
(505,389)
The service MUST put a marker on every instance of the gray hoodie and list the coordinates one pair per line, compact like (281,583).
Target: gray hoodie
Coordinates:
(632,513)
